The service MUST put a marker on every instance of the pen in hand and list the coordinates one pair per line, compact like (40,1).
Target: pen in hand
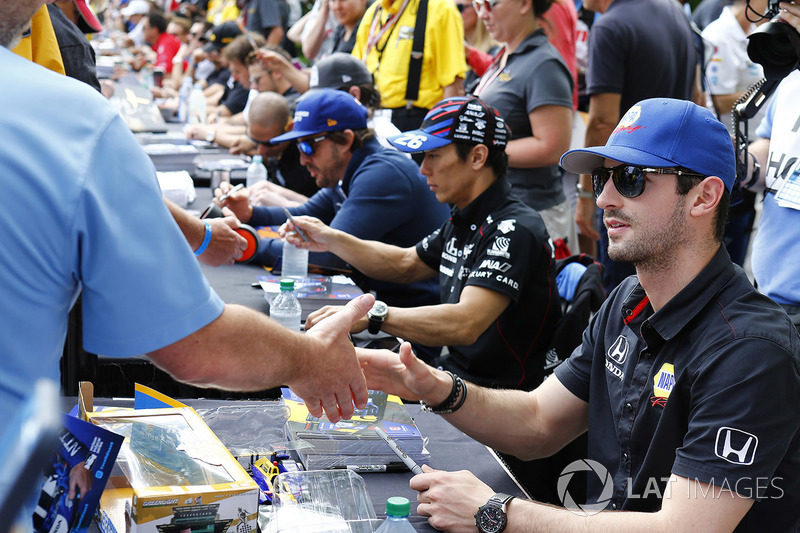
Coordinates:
(296,228)
(408,461)
(230,192)
(207,211)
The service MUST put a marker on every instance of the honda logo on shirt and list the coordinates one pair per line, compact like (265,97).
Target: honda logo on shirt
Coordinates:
(619,350)
(736,446)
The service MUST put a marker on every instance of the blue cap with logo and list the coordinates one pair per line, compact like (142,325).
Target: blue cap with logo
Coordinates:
(664,133)
(461,119)
(324,110)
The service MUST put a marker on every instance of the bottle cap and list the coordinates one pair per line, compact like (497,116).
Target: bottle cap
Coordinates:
(257,159)
(398,506)
(287,284)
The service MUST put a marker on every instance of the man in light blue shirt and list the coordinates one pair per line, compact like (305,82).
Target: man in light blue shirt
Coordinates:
(84,215)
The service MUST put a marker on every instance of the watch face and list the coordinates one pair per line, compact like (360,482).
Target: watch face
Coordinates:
(379,310)
(491,519)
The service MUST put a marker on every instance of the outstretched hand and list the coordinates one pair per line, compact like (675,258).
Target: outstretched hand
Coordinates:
(402,374)
(331,379)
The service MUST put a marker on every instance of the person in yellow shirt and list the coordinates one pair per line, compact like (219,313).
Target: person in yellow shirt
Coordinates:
(384,42)
(220,11)
(39,44)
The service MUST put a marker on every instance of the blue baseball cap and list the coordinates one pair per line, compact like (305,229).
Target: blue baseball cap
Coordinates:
(324,110)
(460,119)
(664,133)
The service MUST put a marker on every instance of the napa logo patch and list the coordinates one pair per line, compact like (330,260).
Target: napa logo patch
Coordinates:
(663,383)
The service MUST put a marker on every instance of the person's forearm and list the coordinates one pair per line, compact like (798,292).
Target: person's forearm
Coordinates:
(433,325)
(375,259)
(192,227)
(530,152)
(316,34)
(687,505)
(724,102)
(223,354)
(297,78)
(454,89)
(501,419)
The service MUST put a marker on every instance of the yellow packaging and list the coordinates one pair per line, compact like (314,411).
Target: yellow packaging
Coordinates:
(174,475)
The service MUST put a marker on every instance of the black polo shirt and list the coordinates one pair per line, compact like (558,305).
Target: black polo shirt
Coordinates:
(499,243)
(707,388)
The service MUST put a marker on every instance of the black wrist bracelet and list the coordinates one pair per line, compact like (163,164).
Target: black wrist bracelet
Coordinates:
(458,394)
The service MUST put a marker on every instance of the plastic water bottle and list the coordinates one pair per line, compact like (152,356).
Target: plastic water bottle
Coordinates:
(183,99)
(397,511)
(256,172)
(295,261)
(285,309)
(197,105)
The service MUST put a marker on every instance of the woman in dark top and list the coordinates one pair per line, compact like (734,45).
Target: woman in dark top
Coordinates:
(531,87)
(348,14)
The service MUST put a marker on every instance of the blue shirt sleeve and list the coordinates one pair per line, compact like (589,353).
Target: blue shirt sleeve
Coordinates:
(142,286)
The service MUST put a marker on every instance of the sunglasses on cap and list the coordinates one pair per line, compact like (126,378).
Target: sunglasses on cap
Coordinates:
(485,4)
(629,179)
(307,147)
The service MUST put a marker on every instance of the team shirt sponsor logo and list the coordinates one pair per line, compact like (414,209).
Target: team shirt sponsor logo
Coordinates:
(616,355)
(467,250)
(551,359)
(663,383)
(500,247)
(463,272)
(451,253)
(494,265)
(736,446)
(507,225)
(618,352)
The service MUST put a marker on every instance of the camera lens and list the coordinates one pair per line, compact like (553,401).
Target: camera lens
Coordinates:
(775,47)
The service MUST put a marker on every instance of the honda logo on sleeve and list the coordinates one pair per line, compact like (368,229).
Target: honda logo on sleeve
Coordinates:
(618,351)
(736,446)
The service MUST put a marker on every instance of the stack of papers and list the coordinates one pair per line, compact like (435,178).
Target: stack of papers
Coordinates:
(321,444)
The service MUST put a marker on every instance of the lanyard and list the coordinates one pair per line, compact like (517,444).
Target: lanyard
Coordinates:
(498,64)
(376,34)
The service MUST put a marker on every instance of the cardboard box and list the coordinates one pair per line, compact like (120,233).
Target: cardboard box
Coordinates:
(174,475)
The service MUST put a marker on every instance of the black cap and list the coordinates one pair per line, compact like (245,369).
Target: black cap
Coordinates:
(339,70)
(221,36)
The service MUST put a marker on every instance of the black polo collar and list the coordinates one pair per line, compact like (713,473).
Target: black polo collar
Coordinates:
(684,306)
(487,202)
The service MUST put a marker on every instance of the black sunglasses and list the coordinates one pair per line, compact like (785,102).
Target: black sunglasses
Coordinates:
(629,179)
(307,146)
(463,7)
(259,143)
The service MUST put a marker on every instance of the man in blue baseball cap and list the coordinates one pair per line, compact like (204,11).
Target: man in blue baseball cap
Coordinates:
(684,379)
(366,190)
(493,258)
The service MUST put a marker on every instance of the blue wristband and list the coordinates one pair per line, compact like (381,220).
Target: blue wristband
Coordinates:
(206,239)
